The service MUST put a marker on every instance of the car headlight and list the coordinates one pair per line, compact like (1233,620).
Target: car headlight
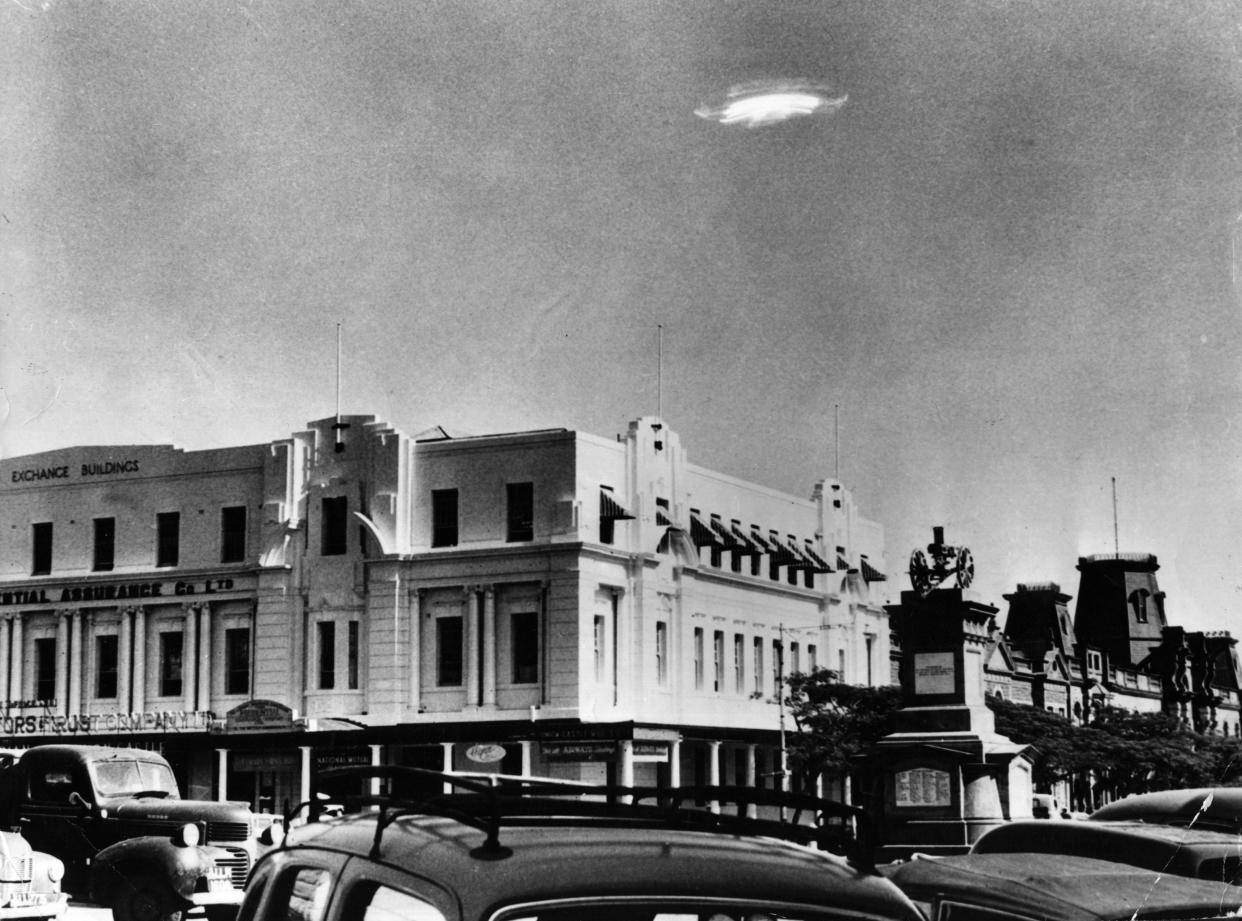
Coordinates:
(55,870)
(186,836)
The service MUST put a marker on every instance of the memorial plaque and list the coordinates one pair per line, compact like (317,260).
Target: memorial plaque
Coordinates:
(934,673)
(923,787)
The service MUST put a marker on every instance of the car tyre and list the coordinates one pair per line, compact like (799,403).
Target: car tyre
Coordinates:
(146,898)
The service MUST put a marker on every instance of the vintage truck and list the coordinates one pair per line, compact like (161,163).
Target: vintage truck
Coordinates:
(128,840)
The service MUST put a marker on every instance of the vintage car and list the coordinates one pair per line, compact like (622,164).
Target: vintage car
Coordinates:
(1055,887)
(29,881)
(539,851)
(1203,854)
(1217,808)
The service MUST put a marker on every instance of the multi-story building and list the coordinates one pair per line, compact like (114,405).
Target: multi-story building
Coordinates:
(544,602)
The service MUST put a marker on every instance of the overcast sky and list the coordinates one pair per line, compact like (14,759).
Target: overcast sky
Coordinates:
(1008,257)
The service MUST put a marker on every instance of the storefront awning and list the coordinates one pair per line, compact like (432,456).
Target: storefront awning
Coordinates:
(610,508)
(818,563)
(870,573)
(702,533)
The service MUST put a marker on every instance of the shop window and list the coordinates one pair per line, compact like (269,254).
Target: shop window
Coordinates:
(661,651)
(41,535)
(233,534)
(105,544)
(449,658)
(444,518)
(105,666)
(327,655)
(45,668)
(333,526)
(520,498)
(698,658)
(524,643)
(167,538)
(237,660)
(351,676)
(172,649)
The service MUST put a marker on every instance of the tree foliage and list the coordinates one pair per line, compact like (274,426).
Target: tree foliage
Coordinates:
(836,722)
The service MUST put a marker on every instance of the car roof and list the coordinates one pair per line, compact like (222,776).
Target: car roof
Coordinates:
(1056,887)
(566,861)
(1172,849)
(1217,807)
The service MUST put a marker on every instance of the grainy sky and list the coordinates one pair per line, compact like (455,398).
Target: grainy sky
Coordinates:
(1008,258)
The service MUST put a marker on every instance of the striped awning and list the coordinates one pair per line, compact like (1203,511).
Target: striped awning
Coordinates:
(745,543)
(662,518)
(818,563)
(610,508)
(871,574)
(781,552)
(702,533)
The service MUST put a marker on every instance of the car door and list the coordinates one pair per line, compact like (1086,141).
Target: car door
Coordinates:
(52,820)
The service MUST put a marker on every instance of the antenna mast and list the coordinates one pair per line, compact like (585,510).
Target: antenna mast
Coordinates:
(836,439)
(660,371)
(1116,542)
(338,373)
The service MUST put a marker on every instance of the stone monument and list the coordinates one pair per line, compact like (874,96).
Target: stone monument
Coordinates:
(947,776)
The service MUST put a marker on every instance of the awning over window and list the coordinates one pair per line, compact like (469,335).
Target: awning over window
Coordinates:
(746,544)
(782,553)
(818,563)
(734,543)
(702,533)
(870,573)
(610,508)
(662,518)
(842,563)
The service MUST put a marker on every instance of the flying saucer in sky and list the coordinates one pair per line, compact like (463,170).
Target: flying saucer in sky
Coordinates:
(770,102)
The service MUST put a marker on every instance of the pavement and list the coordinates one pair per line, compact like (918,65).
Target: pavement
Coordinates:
(85,911)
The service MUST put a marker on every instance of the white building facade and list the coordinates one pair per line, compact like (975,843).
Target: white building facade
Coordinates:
(545,602)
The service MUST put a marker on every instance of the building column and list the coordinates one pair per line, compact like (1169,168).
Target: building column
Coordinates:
(625,766)
(76,640)
(204,657)
(471,643)
(377,758)
(527,748)
(446,764)
(416,651)
(305,793)
(674,764)
(713,771)
(17,653)
(62,663)
(489,646)
(222,768)
(749,781)
(189,658)
(139,688)
(124,660)
(6,648)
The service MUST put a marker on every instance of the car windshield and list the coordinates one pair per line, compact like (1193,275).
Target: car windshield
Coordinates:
(130,778)
(704,909)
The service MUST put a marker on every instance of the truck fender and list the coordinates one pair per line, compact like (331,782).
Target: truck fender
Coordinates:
(181,866)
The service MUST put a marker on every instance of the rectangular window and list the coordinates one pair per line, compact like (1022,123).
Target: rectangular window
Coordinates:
(661,651)
(841,665)
(351,661)
(698,657)
(599,648)
(524,646)
(327,655)
(334,525)
(739,663)
(41,534)
(105,545)
(520,498)
(233,534)
(870,663)
(812,662)
(45,668)
(795,658)
(172,648)
(105,666)
(448,652)
(167,538)
(444,518)
(237,660)
(778,665)
(718,653)
(758,666)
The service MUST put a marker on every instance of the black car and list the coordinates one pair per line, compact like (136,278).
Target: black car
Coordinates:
(540,852)
(1052,887)
(1216,808)
(1194,852)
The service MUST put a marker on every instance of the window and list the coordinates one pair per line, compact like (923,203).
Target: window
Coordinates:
(870,660)
(172,647)
(521,505)
(524,646)
(449,651)
(351,663)
(327,655)
(237,660)
(778,666)
(333,533)
(1138,598)
(167,538)
(373,902)
(812,661)
(233,534)
(698,657)
(45,668)
(599,647)
(795,658)
(41,534)
(661,651)
(105,545)
(739,663)
(105,666)
(840,664)
(758,656)
(444,518)
(308,896)
(718,661)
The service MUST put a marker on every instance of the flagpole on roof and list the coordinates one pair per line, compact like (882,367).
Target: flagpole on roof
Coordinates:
(660,371)
(1116,540)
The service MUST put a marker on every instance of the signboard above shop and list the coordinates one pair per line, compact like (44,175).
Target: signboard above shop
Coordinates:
(259,716)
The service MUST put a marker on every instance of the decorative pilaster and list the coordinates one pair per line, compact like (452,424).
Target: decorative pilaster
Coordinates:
(139,685)
(189,658)
(17,656)
(204,657)
(489,646)
(77,639)
(124,662)
(415,650)
(62,663)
